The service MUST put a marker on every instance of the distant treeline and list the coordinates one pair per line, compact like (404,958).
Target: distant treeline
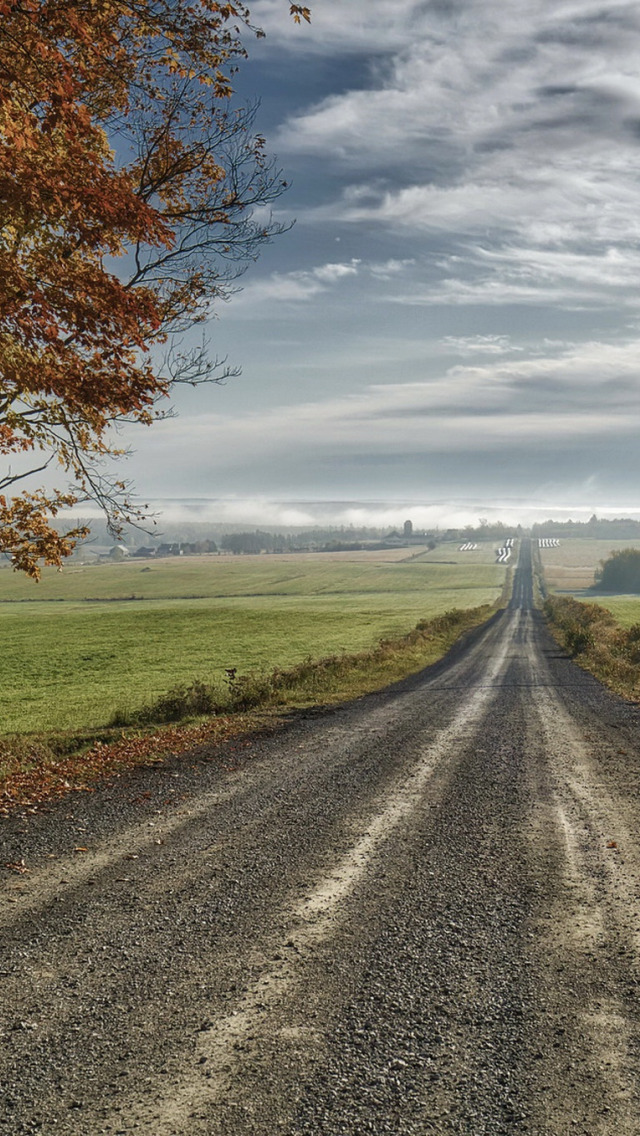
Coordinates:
(620,528)
(198,532)
(193,537)
(258,541)
(319,540)
(484,531)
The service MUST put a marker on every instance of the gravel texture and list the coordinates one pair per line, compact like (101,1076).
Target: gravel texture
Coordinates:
(419,913)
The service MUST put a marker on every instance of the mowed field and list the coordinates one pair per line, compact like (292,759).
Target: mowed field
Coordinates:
(571,568)
(88,641)
(626,609)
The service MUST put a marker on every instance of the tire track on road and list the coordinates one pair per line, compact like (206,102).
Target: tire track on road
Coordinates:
(592,932)
(221,1045)
(402,918)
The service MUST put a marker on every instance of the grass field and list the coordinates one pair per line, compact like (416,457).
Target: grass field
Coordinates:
(571,567)
(626,609)
(89,641)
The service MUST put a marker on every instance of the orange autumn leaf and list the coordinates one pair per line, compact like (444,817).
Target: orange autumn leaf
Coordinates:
(17,866)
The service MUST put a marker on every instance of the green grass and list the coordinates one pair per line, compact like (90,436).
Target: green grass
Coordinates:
(572,566)
(570,569)
(76,649)
(216,577)
(626,609)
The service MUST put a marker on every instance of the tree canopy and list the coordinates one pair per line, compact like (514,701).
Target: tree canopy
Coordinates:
(128,185)
(620,572)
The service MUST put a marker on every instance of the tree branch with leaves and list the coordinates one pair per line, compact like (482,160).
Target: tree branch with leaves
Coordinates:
(132,195)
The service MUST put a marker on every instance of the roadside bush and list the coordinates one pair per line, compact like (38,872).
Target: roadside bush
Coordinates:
(630,645)
(177,704)
(590,632)
(581,625)
(578,639)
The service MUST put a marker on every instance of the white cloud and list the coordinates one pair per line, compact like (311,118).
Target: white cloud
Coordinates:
(479,344)
(331,273)
(305,284)
(510,196)
(293,286)
(298,286)
(338,27)
(515,274)
(516,125)
(482,155)
(391,268)
(470,409)
(483,74)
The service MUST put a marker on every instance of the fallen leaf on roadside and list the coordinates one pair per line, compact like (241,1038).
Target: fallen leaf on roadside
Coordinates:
(50,778)
(612,844)
(18,866)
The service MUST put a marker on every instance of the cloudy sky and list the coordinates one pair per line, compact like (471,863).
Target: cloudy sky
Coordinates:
(455,315)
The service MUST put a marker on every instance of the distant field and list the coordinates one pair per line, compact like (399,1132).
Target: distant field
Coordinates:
(90,640)
(625,608)
(572,566)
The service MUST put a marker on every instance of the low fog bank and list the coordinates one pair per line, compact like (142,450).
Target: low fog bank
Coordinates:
(198,519)
(227,514)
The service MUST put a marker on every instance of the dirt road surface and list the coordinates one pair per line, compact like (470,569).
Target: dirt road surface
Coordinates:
(416,914)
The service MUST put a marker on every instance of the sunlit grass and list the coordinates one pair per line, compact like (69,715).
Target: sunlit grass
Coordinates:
(35,767)
(626,609)
(571,567)
(75,649)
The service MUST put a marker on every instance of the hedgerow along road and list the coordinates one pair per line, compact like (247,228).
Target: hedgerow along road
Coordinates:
(418,913)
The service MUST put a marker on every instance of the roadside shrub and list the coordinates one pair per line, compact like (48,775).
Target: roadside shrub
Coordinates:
(582,626)
(630,643)
(186,702)
(578,640)
(181,702)
(442,623)
(590,632)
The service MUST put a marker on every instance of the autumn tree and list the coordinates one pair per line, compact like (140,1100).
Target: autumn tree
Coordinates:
(128,184)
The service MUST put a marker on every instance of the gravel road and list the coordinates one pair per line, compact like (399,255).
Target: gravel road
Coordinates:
(419,913)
